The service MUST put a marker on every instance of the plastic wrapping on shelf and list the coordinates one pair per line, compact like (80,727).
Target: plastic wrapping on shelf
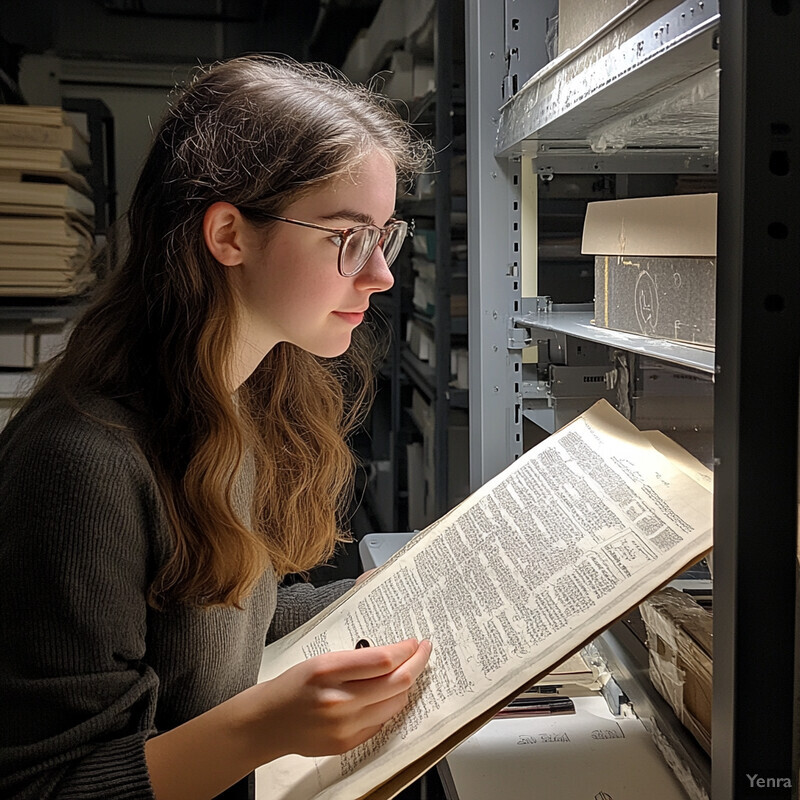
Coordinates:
(680,646)
(599,90)
(685,776)
(687,114)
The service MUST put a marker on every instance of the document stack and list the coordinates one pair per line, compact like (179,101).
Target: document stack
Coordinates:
(46,210)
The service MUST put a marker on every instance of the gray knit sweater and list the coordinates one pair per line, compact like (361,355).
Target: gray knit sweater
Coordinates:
(87,670)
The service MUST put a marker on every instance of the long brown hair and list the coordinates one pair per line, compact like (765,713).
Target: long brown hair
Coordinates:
(256,132)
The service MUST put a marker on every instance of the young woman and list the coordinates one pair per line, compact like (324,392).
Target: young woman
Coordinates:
(189,450)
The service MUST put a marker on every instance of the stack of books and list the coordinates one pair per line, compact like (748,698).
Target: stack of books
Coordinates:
(46,210)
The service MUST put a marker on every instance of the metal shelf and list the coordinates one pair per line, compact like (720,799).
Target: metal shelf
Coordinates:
(579,323)
(424,377)
(639,95)
(421,109)
(16,383)
(50,309)
(458,325)
(426,206)
(627,659)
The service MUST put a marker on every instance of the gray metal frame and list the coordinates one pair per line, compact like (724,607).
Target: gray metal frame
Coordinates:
(494,282)
(758,319)
(444,259)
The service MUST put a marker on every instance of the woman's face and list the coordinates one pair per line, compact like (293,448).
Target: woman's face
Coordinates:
(290,288)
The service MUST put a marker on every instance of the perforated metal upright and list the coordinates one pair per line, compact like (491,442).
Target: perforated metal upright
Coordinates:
(494,280)
(444,146)
(756,404)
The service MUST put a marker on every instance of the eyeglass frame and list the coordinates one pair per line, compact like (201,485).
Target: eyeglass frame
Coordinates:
(345,233)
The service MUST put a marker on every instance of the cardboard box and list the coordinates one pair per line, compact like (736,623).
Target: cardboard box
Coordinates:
(416,486)
(420,343)
(17,349)
(393,23)
(459,367)
(14,388)
(580,19)
(400,81)
(680,646)
(457,462)
(655,265)
(25,344)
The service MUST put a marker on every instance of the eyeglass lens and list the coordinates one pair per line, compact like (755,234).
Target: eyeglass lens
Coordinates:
(363,242)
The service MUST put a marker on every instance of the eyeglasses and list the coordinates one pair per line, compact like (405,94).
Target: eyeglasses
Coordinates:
(357,244)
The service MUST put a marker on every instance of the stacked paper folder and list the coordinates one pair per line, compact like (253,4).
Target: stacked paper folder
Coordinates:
(46,211)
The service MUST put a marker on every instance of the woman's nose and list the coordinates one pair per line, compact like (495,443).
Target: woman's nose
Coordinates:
(376,275)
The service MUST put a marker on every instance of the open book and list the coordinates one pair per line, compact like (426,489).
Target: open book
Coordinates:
(508,584)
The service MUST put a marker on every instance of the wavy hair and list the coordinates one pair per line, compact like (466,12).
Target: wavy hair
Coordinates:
(256,132)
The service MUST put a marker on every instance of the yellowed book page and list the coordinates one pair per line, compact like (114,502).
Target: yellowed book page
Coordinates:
(11,171)
(71,214)
(33,157)
(508,584)
(54,257)
(34,115)
(694,468)
(61,137)
(43,231)
(57,195)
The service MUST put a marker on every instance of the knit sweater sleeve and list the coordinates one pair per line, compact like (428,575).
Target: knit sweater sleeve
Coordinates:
(78,701)
(301,601)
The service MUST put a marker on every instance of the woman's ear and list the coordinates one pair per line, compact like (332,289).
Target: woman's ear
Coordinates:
(223,233)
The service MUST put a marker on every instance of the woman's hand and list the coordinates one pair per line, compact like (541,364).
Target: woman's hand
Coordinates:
(326,705)
(333,702)
(363,576)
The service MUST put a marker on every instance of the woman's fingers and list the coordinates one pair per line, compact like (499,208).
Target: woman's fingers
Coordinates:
(334,701)
(367,662)
(397,683)
(378,714)
(363,576)
(404,674)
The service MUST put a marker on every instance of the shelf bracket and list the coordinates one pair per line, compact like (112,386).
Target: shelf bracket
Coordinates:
(519,338)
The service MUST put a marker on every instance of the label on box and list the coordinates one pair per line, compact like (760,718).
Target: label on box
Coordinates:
(662,297)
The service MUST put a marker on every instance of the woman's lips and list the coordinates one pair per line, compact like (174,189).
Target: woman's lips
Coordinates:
(353,318)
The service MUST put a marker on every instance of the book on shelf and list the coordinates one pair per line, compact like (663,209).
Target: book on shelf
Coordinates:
(42,173)
(64,138)
(20,164)
(507,585)
(44,283)
(45,126)
(37,198)
(68,229)
(17,277)
(63,212)
(46,211)
(61,290)
(54,116)
(31,159)
(45,257)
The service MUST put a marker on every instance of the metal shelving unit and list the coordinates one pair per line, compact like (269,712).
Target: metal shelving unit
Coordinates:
(424,377)
(434,115)
(646,101)
(50,314)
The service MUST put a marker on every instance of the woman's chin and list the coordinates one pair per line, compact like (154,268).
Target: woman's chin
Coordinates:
(330,349)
